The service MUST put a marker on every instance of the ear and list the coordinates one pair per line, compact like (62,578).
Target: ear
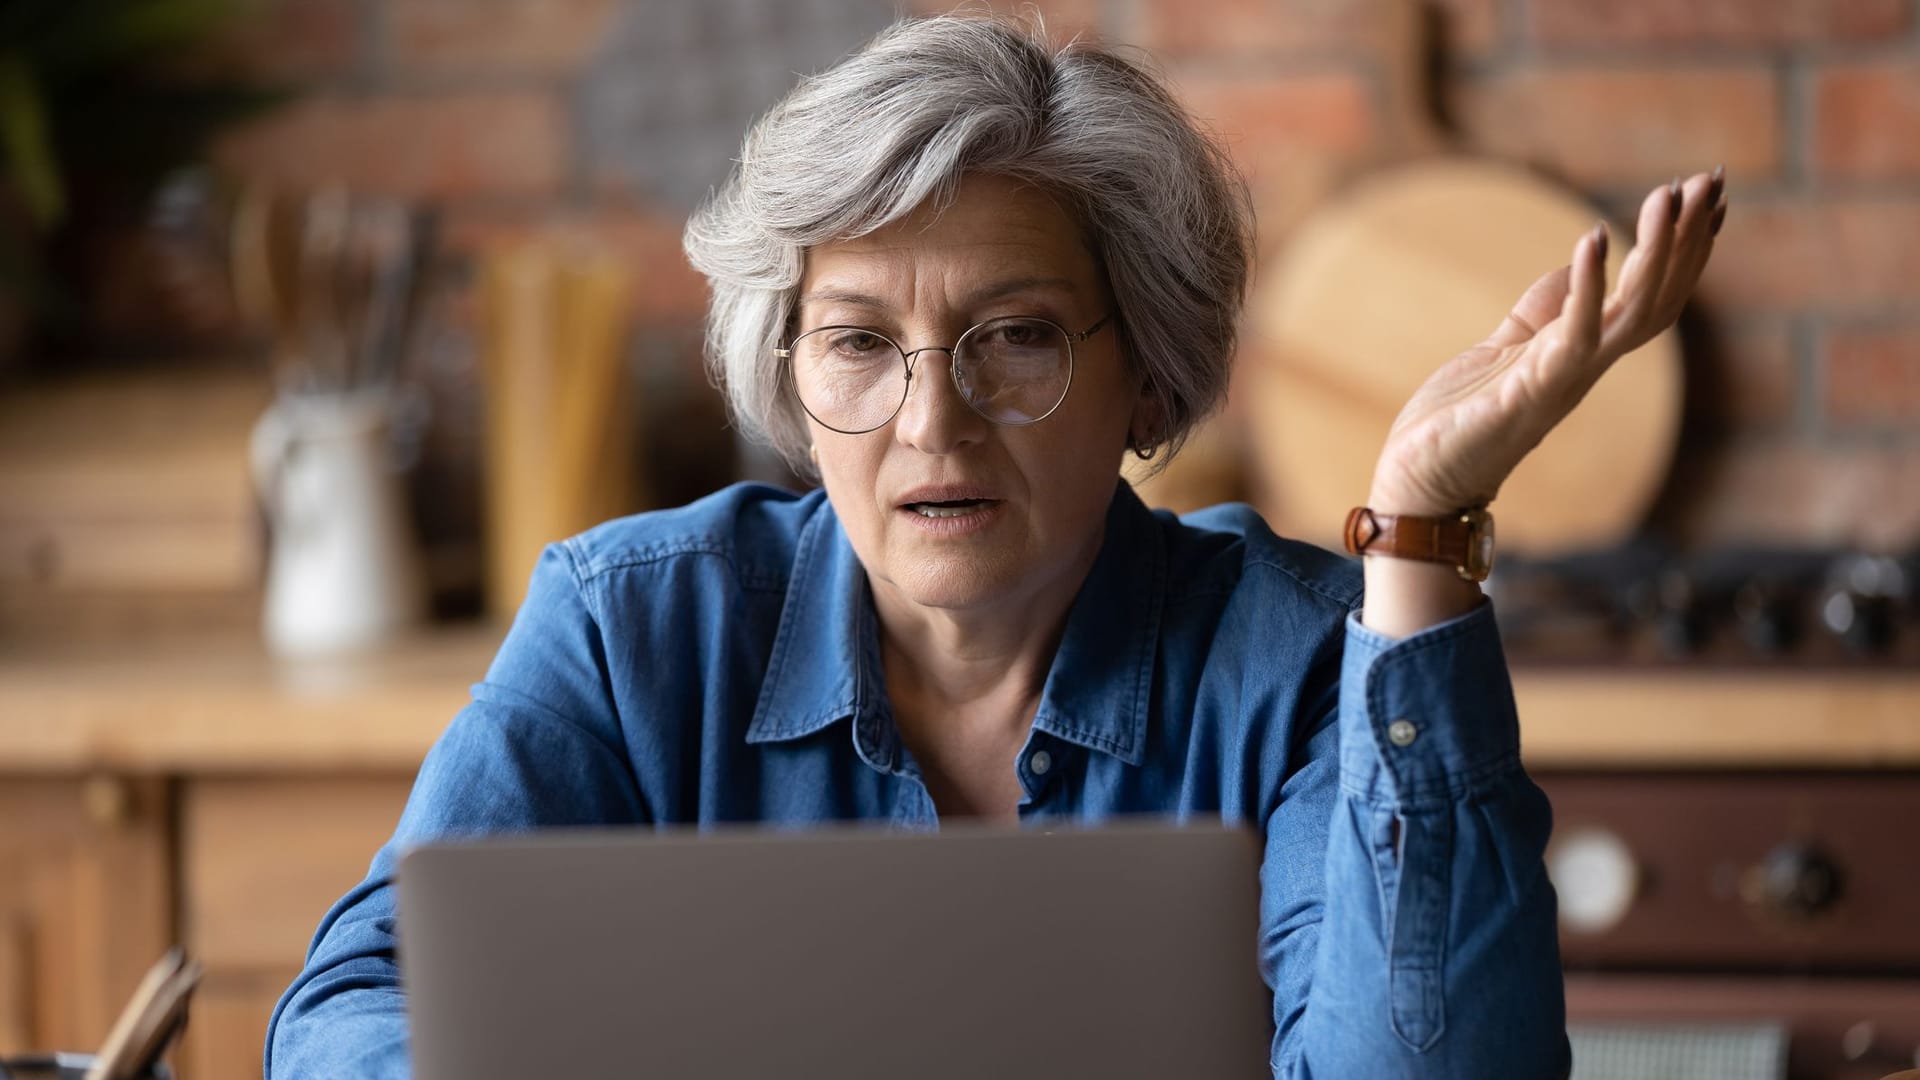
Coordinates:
(1148,424)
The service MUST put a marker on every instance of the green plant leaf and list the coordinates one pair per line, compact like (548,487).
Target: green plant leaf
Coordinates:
(90,109)
(24,147)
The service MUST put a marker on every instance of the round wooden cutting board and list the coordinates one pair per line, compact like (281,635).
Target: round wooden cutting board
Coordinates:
(1376,290)
(1405,269)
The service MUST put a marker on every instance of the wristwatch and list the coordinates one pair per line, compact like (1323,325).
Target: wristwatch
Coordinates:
(1462,540)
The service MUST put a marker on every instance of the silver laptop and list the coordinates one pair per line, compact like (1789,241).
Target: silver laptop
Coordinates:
(1120,952)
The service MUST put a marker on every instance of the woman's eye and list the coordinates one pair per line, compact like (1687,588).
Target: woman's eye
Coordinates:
(857,343)
(1015,335)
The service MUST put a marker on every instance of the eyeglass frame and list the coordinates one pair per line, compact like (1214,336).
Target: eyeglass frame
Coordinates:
(907,364)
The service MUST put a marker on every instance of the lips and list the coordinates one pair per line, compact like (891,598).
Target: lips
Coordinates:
(947,500)
(948,493)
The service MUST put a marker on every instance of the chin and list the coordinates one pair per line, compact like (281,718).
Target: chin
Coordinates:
(952,581)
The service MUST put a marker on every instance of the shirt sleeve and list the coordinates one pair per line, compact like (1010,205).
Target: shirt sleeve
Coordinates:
(1419,939)
(538,746)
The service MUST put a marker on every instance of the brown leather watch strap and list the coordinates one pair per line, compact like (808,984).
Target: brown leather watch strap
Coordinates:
(1406,537)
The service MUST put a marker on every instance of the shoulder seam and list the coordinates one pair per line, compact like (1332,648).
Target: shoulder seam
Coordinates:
(661,552)
(1345,601)
(580,589)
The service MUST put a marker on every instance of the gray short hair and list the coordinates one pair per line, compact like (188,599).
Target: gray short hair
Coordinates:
(897,123)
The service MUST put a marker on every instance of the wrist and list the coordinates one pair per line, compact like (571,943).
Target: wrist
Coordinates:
(1404,596)
(1389,499)
(1422,562)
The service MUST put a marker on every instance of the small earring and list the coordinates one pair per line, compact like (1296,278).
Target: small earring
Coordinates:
(1145,453)
(813,453)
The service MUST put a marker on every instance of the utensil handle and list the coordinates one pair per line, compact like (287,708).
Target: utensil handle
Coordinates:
(267,450)
(16,983)
(1405,55)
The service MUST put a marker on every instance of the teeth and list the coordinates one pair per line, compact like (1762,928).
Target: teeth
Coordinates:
(932,511)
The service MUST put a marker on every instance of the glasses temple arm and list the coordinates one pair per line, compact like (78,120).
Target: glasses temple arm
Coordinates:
(1092,330)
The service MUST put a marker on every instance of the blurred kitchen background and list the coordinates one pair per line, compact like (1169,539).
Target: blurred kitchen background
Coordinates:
(319,317)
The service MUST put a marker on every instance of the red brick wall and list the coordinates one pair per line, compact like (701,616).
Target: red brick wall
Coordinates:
(1803,423)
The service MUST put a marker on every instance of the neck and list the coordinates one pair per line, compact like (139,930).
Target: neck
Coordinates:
(983,664)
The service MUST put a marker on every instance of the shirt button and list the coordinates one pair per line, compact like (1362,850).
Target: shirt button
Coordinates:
(1402,732)
(1040,762)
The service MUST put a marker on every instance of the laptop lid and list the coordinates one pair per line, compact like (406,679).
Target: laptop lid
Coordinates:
(1125,951)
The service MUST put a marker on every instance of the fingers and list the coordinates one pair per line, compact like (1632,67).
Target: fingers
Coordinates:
(1536,307)
(1582,311)
(1676,228)
(1571,362)
(1573,331)
(1705,201)
(1629,314)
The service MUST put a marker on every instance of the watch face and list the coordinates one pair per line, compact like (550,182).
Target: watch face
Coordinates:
(1479,544)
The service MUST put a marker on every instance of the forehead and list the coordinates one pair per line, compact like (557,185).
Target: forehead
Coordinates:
(994,229)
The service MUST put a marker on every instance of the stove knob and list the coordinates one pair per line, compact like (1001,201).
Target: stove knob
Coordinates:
(1862,601)
(1669,605)
(1595,877)
(1864,623)
(1764,610)
(1862,1045)
(1794,881)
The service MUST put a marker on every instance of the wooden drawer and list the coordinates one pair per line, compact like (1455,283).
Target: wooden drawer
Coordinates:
(229,1027)
(1721,871)
(1840,1028)
(263,859)
(83,904)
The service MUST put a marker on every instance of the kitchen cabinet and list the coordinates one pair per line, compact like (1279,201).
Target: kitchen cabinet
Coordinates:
(196,793)
(261,859)
(104,873)
(85,903)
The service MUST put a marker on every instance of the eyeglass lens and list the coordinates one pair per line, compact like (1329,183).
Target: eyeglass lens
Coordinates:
(1011,371)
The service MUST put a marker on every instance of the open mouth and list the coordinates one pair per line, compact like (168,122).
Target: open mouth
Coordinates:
(952,508)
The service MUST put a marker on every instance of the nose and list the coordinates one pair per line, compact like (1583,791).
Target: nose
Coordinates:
(935,419)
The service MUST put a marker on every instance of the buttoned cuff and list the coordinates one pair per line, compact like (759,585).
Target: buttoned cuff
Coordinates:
(1427,717)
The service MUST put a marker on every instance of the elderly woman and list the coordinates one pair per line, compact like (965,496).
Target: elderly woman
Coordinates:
(957,277)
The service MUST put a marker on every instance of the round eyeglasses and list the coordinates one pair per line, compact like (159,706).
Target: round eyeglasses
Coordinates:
(1013,370)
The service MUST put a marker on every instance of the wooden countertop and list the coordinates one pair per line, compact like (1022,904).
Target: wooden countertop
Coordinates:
(1719,718)
(223,705)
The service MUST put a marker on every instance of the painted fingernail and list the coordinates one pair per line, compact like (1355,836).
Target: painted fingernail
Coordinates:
(1719,215)
(1716,184)
(1673,200)
(1600,241)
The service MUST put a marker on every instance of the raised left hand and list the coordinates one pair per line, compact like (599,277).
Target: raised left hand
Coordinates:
(1469,425)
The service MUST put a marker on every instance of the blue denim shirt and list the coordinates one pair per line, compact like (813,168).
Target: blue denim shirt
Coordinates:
(720,663)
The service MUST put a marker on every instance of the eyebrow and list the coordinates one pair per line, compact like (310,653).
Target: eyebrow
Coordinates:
(997,291)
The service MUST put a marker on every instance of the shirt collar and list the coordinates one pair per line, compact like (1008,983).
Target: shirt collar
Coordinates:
(1100,689)
(825,660)
(824,664)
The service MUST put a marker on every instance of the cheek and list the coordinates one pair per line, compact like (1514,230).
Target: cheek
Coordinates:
(1098,413)
(1072,458)
(849,470)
